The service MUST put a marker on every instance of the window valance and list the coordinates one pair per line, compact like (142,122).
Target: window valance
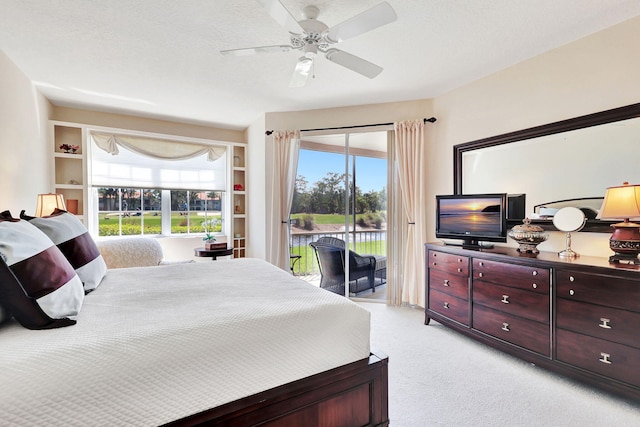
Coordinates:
(156,148)
(134,161)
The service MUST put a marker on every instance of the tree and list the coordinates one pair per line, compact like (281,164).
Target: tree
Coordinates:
(301,198)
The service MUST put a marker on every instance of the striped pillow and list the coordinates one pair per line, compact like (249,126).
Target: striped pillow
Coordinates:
(4,314)
(72,238)
(38,286)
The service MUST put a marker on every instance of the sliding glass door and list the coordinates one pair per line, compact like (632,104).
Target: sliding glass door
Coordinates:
(340,202)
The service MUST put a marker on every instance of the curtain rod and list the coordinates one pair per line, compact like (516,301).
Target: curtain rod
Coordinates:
(425,120)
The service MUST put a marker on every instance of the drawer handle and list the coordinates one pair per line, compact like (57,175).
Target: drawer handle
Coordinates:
(535,273)
(605,358)
(446,282)
(459,270)
(535,286)
(605,323)
(505,327)
(505,299)
(572,279)
(481,264)
(480,275)
(434,263)
(446,305)
(459,259)
(572,292)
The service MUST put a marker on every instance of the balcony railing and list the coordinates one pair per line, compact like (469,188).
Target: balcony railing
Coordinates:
(371,242)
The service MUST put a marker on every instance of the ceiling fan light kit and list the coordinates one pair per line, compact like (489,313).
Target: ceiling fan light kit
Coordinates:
(311,36)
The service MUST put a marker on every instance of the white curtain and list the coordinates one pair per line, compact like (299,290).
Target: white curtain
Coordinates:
(134,161)
(411,163)
(286,145)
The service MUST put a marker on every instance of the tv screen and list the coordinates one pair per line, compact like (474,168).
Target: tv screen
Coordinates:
(472,218)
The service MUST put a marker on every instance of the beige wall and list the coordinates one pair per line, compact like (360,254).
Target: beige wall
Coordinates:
(595,73)
(146,125)
(25,164)
(256,189)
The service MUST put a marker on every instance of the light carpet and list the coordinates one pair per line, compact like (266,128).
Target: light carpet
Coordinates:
(438,377)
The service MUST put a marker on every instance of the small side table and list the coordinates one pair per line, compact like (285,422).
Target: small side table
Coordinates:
(213,253)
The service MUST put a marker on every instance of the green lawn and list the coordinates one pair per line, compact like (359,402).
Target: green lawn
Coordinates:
(108,224)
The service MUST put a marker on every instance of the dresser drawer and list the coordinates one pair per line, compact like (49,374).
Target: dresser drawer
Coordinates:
(449,283)
(600,356)
(518,276)
(449,306)
(525,333)
(598,321)
(454,264)
(598,289)
(514,301)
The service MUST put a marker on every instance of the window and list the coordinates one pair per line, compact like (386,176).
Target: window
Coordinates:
(194,211)
(129,211)
(137,191)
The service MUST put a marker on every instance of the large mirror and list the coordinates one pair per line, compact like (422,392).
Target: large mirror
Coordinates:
(570,162)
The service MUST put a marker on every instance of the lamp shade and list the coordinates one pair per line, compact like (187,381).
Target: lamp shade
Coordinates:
(47,203)
(622,202)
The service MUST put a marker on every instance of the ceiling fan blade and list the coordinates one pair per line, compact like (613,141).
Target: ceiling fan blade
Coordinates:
(258,49)
(370,19)
(281,15)
(354,63)
(301,73)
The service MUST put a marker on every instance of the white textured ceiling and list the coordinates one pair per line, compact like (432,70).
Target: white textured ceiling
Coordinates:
(160,58)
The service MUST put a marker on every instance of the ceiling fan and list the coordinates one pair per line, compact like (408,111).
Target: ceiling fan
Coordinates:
(311,36)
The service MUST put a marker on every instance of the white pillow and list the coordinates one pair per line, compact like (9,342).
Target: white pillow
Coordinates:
(37,283)
(71,236)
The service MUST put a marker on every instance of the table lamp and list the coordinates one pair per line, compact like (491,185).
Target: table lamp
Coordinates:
(623,202)
(47,203)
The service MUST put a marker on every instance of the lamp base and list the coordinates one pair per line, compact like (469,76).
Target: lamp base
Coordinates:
(625,243)
(627,258)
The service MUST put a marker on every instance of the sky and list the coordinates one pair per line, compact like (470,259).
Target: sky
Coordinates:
(314,166)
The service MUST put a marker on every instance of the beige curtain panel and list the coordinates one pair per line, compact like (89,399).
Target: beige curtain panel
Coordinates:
(412,175)
(285,148)
(156,148)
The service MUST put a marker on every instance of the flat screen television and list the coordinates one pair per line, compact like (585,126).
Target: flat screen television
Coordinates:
(472,218)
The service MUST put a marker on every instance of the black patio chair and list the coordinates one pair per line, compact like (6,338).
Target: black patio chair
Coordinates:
(381,260)
(332,272)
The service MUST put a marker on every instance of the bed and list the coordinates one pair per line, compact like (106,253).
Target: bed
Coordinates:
(230,342)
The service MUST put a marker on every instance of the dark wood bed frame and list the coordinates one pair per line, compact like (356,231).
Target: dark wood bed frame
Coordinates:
(351,395)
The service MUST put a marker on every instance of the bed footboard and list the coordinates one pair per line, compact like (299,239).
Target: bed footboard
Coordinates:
(350,395)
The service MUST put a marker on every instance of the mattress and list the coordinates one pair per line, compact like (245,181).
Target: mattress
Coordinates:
(155,344)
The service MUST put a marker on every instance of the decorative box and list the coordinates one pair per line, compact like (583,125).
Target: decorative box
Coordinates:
(528,236)
(215,245)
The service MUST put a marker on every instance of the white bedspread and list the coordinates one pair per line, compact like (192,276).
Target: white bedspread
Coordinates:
(154,344)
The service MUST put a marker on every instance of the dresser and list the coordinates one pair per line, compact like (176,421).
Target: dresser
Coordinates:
(580,317)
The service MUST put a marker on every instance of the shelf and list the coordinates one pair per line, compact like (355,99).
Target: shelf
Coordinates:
(68,169)
(239,200)
(69,186)
(63,155)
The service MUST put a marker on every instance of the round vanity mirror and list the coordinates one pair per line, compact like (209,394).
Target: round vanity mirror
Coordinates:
(569,220)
